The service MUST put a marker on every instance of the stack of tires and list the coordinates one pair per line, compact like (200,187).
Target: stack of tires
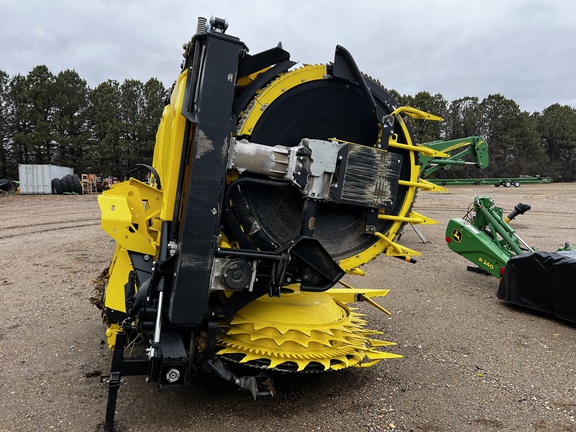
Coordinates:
(69,184)
(5,185)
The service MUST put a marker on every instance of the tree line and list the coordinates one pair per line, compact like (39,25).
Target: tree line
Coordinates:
(58,119)
(519,143)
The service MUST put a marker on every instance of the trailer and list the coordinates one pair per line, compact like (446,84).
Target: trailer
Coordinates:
(37,179)
(497,181)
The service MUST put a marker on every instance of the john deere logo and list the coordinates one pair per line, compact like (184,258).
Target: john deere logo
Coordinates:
(456,235)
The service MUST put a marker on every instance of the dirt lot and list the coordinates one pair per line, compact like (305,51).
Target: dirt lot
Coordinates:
(471,363)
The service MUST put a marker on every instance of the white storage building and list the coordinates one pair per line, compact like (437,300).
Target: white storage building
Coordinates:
(37,179)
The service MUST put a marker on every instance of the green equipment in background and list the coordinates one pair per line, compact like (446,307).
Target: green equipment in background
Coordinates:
(484,237)
(474,149)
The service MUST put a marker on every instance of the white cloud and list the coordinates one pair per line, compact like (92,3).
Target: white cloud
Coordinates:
(523,49)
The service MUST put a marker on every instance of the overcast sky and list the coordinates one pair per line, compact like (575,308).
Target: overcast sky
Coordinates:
(522,49)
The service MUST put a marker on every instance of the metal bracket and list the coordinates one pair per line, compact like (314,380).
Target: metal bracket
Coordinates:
(258,385)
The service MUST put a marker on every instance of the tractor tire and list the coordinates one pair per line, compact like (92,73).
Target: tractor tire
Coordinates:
(516,184)
(71,184)
(77,184)
(57,187)
(507,183)
(67,183)
(5,185)
(65,187)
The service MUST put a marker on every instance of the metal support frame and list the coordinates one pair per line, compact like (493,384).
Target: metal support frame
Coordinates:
(419,233)
(209,109)
(121,366)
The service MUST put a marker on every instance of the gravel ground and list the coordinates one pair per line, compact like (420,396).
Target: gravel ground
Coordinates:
(471,363)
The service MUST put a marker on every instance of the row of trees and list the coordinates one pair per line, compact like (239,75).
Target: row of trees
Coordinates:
(58,119)
(519,143)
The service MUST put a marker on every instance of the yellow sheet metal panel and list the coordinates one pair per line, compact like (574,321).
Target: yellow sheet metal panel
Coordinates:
(111,333)
(115,298)
(168,148)
(128,213)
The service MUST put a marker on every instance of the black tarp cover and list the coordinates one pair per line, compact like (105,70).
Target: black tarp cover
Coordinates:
(544,281)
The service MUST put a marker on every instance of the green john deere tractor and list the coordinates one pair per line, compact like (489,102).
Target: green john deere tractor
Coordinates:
(543,281)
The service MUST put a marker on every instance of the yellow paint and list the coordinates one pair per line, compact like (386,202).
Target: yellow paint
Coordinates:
(168,148)
(120,269)
(248,79)
(111,333)
(396,249)
(267,96)
(455,146)
(385,242)
(416,113)
(130,215)
(413,218)
(304,329)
